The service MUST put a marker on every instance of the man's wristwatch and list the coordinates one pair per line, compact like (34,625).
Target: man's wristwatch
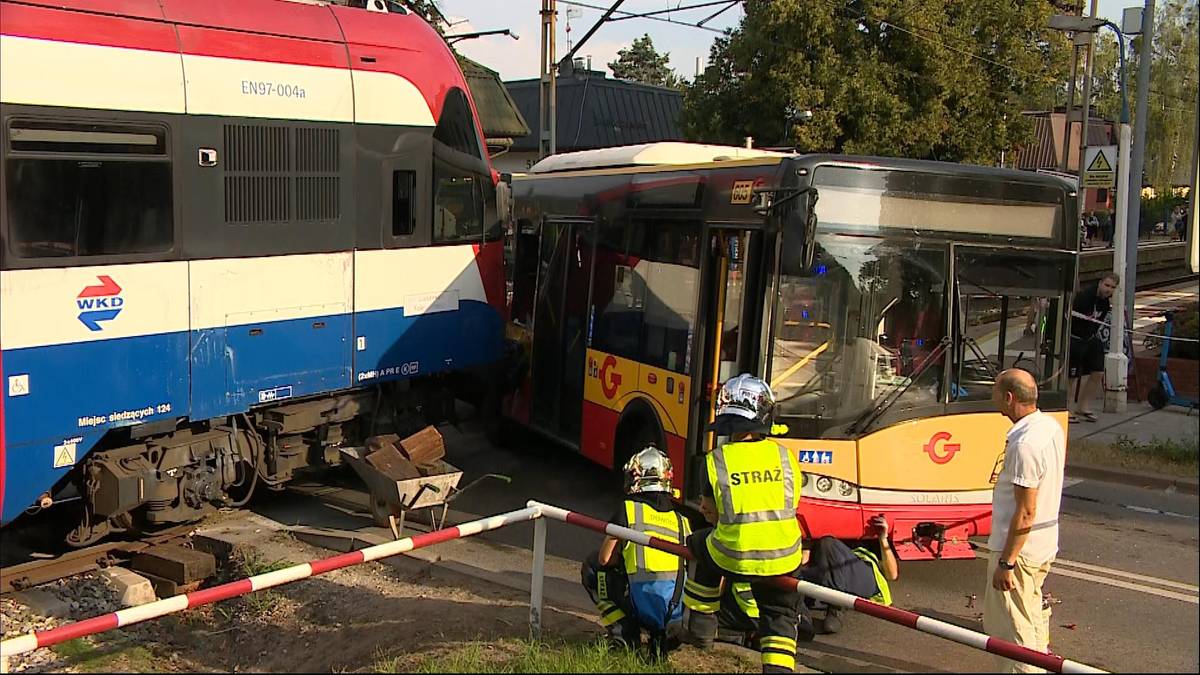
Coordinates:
(1007,565)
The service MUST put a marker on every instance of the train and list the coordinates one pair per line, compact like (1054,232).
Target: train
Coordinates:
(235,236)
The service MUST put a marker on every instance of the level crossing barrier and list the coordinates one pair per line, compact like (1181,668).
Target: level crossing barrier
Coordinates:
(538,513)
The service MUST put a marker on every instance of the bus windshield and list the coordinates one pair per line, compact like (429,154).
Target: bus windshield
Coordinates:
(915,297)
(864,323)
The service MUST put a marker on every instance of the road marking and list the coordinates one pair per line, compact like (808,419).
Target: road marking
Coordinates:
(1138,509)
(1071,482)
(1149,590)
(1130,575)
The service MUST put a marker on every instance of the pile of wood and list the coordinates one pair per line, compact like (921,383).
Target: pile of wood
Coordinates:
(418,455)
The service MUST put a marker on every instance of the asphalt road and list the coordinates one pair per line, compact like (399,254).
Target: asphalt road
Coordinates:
(1125,585)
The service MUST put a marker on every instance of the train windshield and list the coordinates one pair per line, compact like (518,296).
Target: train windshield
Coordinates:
(908,307)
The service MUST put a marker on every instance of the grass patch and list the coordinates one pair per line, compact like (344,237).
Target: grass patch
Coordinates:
(1170,456)
(249,563)
(520,656)
(83,656)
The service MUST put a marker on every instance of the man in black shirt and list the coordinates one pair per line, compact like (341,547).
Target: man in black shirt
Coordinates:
(1091,308)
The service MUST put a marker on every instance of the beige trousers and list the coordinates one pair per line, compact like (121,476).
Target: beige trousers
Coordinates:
(1017,615)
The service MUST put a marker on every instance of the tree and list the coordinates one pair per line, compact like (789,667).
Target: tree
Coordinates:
(642,63)
(1173,82)
(938,79)
(1171,107)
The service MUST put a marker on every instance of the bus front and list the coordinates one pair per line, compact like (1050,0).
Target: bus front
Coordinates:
(900,290)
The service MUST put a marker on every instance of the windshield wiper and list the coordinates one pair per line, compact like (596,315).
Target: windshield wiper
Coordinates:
(866,419)
(970,342)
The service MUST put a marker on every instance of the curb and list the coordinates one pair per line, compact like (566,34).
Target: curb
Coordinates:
(1143,479)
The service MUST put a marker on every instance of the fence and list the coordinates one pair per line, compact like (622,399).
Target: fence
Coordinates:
(536,512)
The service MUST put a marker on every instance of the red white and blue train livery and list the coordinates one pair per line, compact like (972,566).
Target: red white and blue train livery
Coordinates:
(234,235)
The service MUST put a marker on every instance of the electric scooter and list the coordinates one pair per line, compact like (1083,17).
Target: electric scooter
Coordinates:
(1164,392)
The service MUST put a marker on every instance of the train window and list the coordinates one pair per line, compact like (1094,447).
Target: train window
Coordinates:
(456,128)
(457,205)
(84,189)
(404,185)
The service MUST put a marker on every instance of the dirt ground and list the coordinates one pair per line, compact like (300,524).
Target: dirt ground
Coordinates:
(376,616)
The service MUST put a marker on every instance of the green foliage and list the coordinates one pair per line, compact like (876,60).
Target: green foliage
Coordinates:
(642,63)
(534,657)
(1173,81)
(938,79)
(1172,103)
(1168,450)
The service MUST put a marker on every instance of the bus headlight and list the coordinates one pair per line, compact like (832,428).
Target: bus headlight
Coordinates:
(828,487)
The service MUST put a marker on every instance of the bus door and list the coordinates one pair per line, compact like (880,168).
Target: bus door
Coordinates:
(560,325)
(729,323)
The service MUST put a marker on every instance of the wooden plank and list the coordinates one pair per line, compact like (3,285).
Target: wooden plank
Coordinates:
(425,448)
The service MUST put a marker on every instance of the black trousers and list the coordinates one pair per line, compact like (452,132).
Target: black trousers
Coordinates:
(832,564)
(778,610)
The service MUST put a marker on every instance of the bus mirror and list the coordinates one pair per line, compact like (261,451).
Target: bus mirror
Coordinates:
(762,201)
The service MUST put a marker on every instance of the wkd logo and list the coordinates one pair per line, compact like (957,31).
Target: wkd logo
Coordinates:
(101,302)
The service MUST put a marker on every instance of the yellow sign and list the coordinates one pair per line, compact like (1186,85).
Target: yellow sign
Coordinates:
(1099,163)
(742,193)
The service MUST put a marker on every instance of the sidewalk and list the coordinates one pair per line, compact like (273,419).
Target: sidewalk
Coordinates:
(1142,424)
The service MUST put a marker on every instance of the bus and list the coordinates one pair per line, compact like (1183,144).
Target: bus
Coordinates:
(235,236)
(879,297)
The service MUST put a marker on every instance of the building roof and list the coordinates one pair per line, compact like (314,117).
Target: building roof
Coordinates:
(648,154)
(1045,151)
(498,113)
(597,112)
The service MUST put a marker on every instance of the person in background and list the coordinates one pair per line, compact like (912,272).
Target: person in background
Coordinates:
(1092,306)
(1025,506)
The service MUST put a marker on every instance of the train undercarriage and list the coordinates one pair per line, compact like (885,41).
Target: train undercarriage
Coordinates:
(145,478)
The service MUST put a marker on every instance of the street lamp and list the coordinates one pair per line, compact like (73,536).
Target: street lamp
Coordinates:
(1116,364)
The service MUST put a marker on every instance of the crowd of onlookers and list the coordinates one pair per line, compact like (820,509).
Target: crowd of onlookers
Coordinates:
(1096,227)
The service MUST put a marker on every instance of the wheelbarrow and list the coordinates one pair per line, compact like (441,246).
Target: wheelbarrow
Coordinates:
(391,500)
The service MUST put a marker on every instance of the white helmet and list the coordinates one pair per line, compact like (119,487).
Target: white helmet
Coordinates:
(648,471)
(748,397)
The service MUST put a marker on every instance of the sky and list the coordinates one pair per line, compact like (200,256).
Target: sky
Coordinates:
(518,59)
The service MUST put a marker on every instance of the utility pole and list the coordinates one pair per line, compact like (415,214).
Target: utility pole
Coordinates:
(1066,145)
(548,92)
(1134,205)
(1087,105)
(1193,227)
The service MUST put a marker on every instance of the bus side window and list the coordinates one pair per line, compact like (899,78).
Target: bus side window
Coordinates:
(80,189)
(671,277)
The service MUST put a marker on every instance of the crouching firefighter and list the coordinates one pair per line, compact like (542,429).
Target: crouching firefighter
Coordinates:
(633,586)
(753,489)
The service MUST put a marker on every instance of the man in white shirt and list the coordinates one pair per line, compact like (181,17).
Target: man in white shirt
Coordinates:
(1025,501)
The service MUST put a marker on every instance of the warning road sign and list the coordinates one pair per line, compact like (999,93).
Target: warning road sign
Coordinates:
(1099,166)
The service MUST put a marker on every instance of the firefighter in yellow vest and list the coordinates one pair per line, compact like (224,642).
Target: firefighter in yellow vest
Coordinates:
(636,587)
(753,489)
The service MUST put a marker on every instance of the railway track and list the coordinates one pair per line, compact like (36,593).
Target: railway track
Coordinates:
(37,572)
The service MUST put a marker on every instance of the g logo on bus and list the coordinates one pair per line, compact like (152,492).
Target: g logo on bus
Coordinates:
(947,449)
(609,378)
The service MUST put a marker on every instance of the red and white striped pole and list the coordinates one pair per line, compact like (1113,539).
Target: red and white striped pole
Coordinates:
(924,624)
(152,610)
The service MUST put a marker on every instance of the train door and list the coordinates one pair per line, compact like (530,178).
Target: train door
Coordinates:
(560,325)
